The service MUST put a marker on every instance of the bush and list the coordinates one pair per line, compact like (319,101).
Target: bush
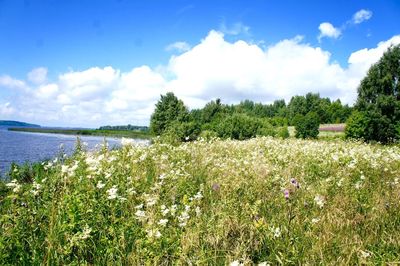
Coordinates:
(283,132)
(265,129)
(357,125)
(184,131)
(306,126)
(238,126)
(208,134)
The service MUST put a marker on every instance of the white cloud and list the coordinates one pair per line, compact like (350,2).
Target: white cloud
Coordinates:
(235,29)
(214,68)
(11,83)
(361,16)
(141,85)
(47,91)
(178,46)
(328,30)
(38,75)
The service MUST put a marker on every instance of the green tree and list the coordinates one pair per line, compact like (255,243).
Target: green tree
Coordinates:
(357,126)
(169,109)
(379,99)
(306,126)
(297,105)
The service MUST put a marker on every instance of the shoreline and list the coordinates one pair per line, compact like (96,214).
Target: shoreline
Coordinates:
(88,132)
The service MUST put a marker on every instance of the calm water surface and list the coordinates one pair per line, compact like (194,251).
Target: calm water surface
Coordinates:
(23,147)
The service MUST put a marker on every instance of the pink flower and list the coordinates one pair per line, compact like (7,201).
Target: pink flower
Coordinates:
(286,193)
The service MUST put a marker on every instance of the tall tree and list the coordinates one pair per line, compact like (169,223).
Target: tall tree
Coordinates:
(169,109)
(379,100)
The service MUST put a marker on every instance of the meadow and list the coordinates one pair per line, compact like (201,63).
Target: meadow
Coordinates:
(208,202)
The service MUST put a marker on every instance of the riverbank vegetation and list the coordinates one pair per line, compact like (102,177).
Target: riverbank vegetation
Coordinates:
(264,200)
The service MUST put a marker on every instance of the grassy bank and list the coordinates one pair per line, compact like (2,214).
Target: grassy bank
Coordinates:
(208,203)
(89,132)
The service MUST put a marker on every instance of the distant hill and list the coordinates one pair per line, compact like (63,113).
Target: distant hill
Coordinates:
(9,123)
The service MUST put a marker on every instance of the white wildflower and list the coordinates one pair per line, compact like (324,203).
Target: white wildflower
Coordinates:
(173,209)
(163,222)
(365,254)
(86,232)
(151,201)
(236,263)
(140,206)
(153,233)
(14,184)
(198,196)
(198,211)
(319,200)
(112,193)
(140,214)
(100,185)
(276,231)
(164,210)
(127,142)
(36,187)
(315,220)
(131,191)
(64,169)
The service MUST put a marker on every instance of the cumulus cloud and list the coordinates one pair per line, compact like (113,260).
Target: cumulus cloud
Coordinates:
(38,75)
(214,68)
(361,16)
(11,83)
(326,29)
(178,46)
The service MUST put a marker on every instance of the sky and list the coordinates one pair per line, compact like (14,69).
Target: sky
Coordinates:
(87,63)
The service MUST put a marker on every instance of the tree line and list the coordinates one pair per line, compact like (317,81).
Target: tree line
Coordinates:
(247,119)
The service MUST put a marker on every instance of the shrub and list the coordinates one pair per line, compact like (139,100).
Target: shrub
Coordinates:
(306,126)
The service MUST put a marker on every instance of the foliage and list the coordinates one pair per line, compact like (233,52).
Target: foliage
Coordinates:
(247,119)
(125,127)
(169,109)
(379,100)
(207,203)
(358,125)
(307,126)
(283,132)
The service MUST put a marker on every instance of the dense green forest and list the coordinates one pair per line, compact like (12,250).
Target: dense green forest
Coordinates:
(247,119)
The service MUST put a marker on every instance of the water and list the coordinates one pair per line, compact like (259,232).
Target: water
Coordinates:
(23,147)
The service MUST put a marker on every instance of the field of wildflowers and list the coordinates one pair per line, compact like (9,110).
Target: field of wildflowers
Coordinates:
(261,201)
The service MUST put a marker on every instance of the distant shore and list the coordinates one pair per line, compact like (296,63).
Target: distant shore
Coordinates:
(89,132)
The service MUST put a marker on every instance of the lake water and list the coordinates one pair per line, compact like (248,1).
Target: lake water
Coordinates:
(23,147)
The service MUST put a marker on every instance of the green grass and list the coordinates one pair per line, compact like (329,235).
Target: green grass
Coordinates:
(89,132)
(267,200)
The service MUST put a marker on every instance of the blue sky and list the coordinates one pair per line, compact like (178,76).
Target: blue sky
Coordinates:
(76,54)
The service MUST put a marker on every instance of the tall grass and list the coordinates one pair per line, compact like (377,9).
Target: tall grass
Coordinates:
(215,202)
